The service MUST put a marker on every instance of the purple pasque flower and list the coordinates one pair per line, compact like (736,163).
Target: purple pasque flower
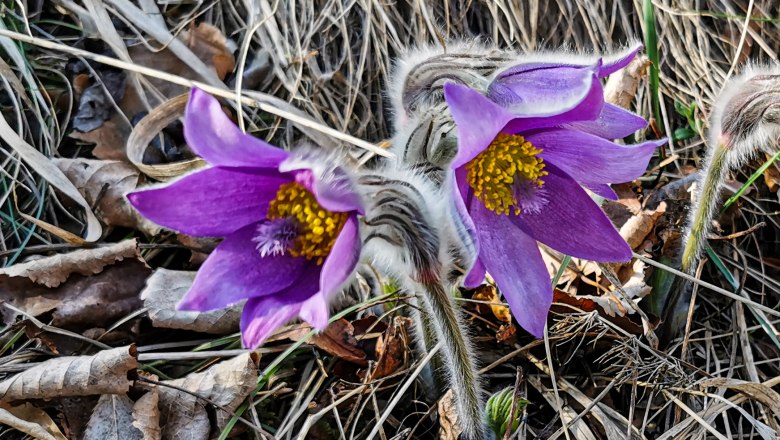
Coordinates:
(289,224)
(526,147)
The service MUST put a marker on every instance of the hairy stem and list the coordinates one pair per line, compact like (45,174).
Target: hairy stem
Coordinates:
(704,209)
(699,225)
(458,358)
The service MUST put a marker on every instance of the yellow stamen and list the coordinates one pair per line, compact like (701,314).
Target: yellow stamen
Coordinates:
(318,227)
(507,160)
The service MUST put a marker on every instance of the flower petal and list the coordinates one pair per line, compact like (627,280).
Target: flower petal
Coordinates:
(331,185)
(235,271)
(541,89)
(588,109)
(215,138)
(478,119)
(615,62)
(213,202)
(476,276)
(263,315)
(336,270)
(513,260)
(604,190)
(613,123)
(572,223)
(590,159)
(343,258)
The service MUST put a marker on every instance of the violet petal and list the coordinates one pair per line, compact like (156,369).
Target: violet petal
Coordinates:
(572,223)
(513,260)
(590,159)
(235,271)
(478,119)
(615,62)
(541,91)
(212,202)
(476,275)
(215,138)
(613,123)
(336,270)
(263,315)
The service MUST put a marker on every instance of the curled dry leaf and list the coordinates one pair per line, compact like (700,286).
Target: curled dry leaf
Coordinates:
(146,415)
(104,373)
(756,391)
(488,294)
(225,384)
(392,349)
(67,284)
(112,419)
(104,183)
(639,226)
(621,86)
(163,291)
(31,421)
(54,270)
(449,428)
(338,340)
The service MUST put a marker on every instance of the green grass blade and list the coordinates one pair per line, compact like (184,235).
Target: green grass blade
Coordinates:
(651,47)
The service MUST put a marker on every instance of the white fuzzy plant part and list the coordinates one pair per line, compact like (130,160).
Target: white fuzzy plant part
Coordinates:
(745,121)
(409,232)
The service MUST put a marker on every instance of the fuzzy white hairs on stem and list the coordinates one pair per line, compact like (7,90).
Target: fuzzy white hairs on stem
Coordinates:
(745,120)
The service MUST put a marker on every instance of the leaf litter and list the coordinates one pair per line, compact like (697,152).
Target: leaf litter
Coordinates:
(602,363)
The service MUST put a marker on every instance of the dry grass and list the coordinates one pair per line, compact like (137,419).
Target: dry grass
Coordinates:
(331,60)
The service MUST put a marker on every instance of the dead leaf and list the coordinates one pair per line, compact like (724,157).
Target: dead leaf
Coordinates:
(95,105)
(163,291)
(54,270)
(772,177)
(104,183)
(112,419)
(756,391)
(622,85)
(84,299)
(146,415)
(392,353)
(339,340)
(30,420)
(638,227)
(104,373)
(449,427)
(209,44)
(226,384)
(588,305)
(488,293)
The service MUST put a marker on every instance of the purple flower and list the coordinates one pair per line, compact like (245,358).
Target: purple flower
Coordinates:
(290,226)
(525,147)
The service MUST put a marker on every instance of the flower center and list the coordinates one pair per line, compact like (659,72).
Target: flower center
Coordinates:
(299,225)
(497,173)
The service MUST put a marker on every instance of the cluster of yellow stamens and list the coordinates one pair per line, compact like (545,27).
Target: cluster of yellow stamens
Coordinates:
(493,172)
(318,227)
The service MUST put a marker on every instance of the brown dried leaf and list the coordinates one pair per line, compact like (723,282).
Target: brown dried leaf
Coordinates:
(339,340)
(82,300)
(226,384)
(112,419)
(638,227)
(104,373)
(210,45)
(31,421)
(488,293)
(104,183)
(54,270)
(393,353)
(146,415)
(756,391)
(163,291)
(772,177)
(449,428)
(622,85)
